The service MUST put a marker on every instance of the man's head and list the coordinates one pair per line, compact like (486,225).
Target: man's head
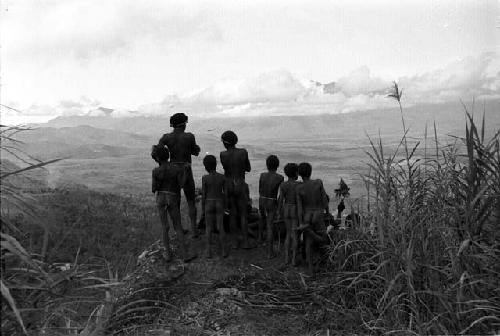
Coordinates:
(229,139)
(291,170)
(210,163)
(160,153)
(272,162)
(178,120)
(305,170)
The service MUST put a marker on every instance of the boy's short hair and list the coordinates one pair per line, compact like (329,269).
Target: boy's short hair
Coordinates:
(210,162)
(229,138)
(305,169)
(160,153)
(291,169)
(272,162)
(178,120)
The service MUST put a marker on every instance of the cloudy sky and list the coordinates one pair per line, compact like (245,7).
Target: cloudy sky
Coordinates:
(242,57)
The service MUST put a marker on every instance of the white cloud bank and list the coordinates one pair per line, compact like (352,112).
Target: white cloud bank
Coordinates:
(283,93)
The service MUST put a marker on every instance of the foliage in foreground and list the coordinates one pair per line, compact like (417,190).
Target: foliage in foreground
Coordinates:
(433,263)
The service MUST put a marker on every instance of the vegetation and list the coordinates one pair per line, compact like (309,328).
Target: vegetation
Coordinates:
(425,259)
(433,266)
(63,250)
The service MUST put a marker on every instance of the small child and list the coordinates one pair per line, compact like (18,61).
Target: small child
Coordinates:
(213,203)
(269,184)
(312,202)
(287,204)
(167,182)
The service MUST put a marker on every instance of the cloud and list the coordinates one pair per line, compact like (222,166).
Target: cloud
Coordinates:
(87,29)
(284,93)
(464,79)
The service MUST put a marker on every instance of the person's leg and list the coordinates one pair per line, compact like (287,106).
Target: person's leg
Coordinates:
(209,224)
(270,206)
(308,240)
(175,216)
(288,228)
(189,192)
(295,237)
(242,205)
(161,205)
(262,221)
(219,215)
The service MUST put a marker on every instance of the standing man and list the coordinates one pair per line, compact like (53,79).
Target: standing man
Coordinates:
(182,145)
(235,163)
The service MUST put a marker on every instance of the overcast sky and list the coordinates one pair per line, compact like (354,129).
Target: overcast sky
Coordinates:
(65,56)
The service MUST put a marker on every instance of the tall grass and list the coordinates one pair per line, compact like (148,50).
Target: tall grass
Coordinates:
(39,296)
(433,263)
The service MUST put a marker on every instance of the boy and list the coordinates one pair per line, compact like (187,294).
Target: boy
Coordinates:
(167,181)
(213,202)
(287,205)
(312,202)
(182,145)
(269,184)
(235,163)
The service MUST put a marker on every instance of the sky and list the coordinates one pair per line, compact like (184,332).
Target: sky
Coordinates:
(66,57)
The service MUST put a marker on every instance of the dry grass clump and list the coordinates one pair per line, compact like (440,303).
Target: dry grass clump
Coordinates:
(432,265)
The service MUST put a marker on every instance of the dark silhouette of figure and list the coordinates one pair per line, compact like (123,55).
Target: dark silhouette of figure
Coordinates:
(312,203)
(287,206)
(236,163)
(269,184)
(182,145)
(213,202)
(166,183)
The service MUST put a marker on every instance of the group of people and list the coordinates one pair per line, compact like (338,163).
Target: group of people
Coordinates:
(301,205)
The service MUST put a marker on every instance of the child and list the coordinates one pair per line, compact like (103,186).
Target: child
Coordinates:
(287,204)
(312,202)
(213,202)
(167,181)
(235,163)
(269,184)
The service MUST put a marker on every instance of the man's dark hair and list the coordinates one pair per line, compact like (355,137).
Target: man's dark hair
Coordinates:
(160,153)
(210,162)
(229,138)
(178,120)
(291,169)
(272,162)
(305,169)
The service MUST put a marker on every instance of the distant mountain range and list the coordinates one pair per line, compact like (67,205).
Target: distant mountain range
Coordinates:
(449,118)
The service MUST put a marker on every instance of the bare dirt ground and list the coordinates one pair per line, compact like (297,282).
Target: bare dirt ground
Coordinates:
(244,294)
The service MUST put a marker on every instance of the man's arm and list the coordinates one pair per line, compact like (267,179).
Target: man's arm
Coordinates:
(226,201)
(324,197)
(280,200)
(163,140)
(195,149)
(222,162)
(300,211)
(247,162)
(260,184)
(203,195)
(153,179)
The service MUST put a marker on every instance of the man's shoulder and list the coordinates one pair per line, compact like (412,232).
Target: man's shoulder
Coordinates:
(241,150)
